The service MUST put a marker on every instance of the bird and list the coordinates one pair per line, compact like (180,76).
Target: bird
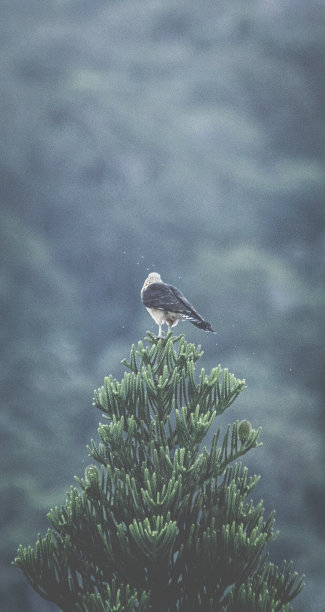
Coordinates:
(166,304)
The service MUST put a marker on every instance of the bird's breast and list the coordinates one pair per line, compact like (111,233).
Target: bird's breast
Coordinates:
(164,316)
(157,315)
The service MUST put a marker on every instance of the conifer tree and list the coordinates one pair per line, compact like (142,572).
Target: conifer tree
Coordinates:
(159,521)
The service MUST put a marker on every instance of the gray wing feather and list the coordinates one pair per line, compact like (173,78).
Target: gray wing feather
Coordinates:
(167,297)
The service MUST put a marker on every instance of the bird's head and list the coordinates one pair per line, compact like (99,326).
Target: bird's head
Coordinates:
(153,277)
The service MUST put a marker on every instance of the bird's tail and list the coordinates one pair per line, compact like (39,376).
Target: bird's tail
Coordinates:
(203,325)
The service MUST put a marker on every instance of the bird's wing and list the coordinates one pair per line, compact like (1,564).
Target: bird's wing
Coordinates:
(167,297)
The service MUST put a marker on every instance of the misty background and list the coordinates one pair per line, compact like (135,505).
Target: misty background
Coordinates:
(180,137)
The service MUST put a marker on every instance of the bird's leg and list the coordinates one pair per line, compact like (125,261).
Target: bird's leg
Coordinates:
(169,328)
(159,332)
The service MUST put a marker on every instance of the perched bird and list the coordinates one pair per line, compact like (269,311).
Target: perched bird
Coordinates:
(166,304)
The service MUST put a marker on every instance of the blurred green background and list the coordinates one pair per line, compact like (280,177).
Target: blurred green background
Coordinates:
(187,138)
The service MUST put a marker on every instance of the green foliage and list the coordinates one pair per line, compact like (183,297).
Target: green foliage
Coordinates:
(163,523)
(118,600)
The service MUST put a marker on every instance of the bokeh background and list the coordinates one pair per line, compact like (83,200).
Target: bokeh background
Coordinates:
(183,137)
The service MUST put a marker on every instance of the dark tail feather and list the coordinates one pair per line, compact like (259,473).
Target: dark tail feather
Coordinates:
(203,325)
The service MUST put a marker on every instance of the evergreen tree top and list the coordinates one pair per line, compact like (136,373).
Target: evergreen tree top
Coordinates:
(162,523)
